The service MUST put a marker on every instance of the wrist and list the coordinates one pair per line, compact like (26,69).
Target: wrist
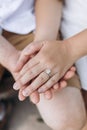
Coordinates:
(13,60)
(78,44)
(44,35)
(10,61)
(7,53)
(72,52)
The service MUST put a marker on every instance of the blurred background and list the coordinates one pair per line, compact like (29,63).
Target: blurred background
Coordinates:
(16,115)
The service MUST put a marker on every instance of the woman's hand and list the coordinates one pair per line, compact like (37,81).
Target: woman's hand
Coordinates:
(55,57)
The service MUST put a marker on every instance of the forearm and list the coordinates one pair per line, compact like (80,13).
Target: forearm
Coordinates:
(48,16)
(7,52)
(78,45)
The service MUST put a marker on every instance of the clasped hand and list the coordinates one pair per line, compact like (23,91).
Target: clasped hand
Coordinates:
(34,60)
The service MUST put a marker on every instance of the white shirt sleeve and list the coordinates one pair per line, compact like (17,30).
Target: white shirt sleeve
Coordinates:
(74,20)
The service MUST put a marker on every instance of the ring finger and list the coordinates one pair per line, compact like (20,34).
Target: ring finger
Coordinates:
(40,80)
(53,80)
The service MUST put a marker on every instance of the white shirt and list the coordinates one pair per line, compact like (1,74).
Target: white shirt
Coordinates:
(17,16)
(74,20)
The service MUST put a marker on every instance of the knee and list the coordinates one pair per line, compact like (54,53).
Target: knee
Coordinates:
(65,120)
(67,113)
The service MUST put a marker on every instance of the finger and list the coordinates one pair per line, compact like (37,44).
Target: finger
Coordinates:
(31,74)
(48,94)
(20,95)
(42,78)
(69,75)
(56,86)
(53,90)
(29,65)
(62,84)
(27,52)
(21,62)
(35,97)
(49,83)
(33,48)
(73,68)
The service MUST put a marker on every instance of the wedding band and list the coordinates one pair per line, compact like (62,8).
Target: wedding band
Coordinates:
(48,72)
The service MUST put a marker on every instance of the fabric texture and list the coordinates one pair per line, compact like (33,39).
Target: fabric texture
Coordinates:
(17,16)
(74,20)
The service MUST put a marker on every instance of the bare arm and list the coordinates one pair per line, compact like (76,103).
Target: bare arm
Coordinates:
(78,45)
(7,53)
(68,52)
(48,17)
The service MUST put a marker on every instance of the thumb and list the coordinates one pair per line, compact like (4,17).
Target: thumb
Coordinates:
(27,53)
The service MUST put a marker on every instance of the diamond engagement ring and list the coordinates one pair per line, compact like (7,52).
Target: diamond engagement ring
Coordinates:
(48,72)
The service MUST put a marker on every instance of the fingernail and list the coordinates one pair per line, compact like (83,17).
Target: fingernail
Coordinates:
(16,86)
(25,93)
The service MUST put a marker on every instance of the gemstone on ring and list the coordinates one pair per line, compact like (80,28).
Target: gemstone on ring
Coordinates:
(48,71)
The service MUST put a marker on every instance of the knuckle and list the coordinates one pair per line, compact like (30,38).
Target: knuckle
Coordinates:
(31,72)
(29,64)
(33,86)
(30,89)
(50,64)
(26,66)
(53,80)
(41,78)
(31,46)
(22,71)
(45,87)
(24,79)
(21,81)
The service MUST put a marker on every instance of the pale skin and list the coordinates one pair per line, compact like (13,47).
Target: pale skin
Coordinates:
(11,59)
(47,29)
(59,63)
(42,26)
(62,101)
(51,110)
